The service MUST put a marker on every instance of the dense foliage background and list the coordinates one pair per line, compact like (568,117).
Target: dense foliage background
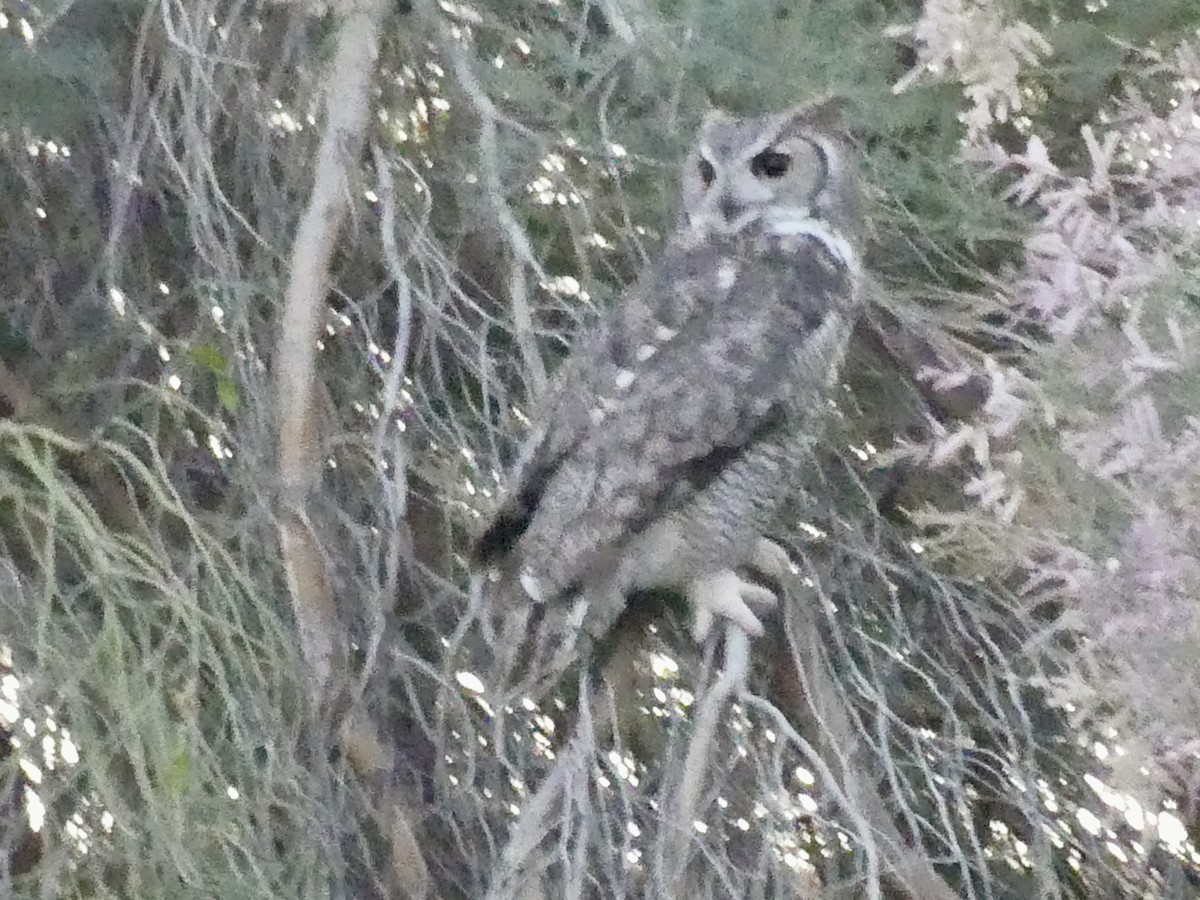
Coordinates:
(281,282)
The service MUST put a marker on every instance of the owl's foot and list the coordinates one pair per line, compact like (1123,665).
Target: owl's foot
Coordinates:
(729,596)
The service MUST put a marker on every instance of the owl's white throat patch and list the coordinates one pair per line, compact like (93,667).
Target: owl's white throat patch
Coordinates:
(801,223)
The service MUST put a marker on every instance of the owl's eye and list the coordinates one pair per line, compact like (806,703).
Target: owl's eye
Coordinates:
(707,173)
(771,163)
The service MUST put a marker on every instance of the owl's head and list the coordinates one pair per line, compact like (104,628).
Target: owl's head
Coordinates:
(778,174)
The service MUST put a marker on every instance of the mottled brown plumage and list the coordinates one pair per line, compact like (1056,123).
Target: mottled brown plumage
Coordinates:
(670,438)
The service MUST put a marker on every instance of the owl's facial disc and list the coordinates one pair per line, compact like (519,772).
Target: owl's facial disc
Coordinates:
(774,182)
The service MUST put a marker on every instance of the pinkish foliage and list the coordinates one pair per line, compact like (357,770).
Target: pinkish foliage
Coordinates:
(1106,273)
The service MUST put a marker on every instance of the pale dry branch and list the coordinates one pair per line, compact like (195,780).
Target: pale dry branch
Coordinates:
(347,110)
(686,805)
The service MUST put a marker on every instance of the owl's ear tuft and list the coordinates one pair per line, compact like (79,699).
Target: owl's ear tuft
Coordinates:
(827,113)
(714,116)
(712,119)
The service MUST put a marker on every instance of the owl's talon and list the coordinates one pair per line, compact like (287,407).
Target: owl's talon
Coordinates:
(771,559)
(727,595)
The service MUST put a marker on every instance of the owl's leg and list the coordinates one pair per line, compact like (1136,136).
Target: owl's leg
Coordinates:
(728,595)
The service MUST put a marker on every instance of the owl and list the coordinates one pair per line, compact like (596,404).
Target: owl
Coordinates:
(666,446)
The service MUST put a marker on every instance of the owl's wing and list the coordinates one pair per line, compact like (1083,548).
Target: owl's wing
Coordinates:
(673,387)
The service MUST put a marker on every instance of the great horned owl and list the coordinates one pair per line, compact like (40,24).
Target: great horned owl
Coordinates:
(669,439)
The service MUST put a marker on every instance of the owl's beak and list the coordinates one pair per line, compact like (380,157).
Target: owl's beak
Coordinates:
(722,215)
(730,209)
